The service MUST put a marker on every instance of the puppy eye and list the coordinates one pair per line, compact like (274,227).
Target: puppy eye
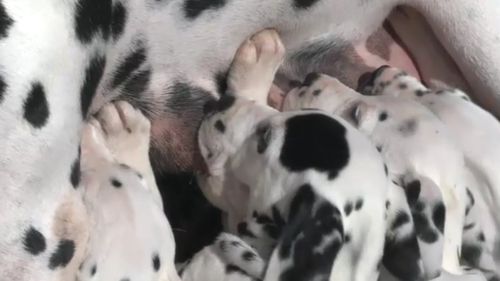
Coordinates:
(263,137)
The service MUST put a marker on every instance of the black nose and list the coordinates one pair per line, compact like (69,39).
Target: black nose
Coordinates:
(367,80)
(222,104)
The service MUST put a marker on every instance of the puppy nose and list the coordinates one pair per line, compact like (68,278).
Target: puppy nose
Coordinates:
(367,80)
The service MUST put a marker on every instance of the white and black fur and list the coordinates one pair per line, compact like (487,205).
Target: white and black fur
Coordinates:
(60,61)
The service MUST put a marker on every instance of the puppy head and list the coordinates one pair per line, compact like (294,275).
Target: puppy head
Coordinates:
(391,81)
(325,93)
(285,150)
(227,122)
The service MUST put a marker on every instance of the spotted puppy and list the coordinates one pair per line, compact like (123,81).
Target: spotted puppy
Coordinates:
(305,168)
(475,131)
(228,258)
(400,128)
(229,121)
(130,238)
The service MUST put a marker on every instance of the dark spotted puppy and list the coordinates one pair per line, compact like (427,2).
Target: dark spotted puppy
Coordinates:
(401,129)
(130,238)
(306,166)
(476,132)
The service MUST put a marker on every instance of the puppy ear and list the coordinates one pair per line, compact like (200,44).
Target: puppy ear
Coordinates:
(263,137)
(362,115)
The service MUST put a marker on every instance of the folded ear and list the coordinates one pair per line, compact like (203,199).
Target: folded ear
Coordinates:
(363,115)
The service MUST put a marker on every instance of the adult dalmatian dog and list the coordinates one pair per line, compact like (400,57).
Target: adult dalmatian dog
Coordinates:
(61,61)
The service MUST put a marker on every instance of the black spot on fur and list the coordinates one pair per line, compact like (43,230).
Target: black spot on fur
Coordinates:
(220,126)
(316,92)
(248,256)
(3,86)
(402,258)
(302,93)
(412,190)
(125,279)
(438,216)
(471,254)
(379,148)
(402,218)
(383,116)
(403,86)
(387,204)
(423,228)
(75,175)
(244,231)
(156,262)
(469,226)
(421,93)
(93,270)
(359,204)
(221,80)
(34,241)
(220,105)
(92,17)
(347,238)
(129,64)
(310,79)
(118,20)
(63,254)
(480,237)
(386,170)
(315,141)
(93,75)
(194,8)
(408,127)
(348,208)
(306,230)
(5,21)
(116,183)
(36,107)
(304,4)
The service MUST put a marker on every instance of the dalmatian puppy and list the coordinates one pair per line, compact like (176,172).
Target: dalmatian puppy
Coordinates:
(250,77)
(130,238)
(62,61)
(228,258)
(400,128)
(305,166)
(454,108)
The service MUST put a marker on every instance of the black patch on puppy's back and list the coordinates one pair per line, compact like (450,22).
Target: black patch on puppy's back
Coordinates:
(402,258)
(308,229)
(315,141)
(75,175)
(194,8)
(92,17)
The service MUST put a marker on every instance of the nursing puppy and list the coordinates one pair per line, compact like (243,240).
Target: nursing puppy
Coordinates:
(476,132)
(401,129)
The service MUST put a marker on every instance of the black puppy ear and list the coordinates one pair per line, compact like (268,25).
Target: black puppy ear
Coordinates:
(263,137)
